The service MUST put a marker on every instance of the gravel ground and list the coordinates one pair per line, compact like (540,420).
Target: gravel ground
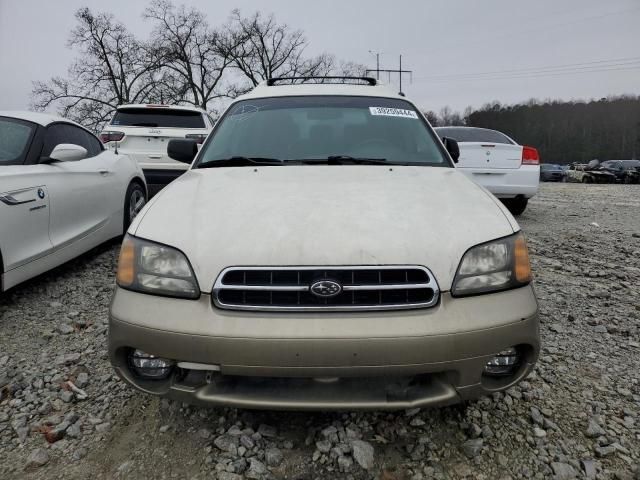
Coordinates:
(63,413)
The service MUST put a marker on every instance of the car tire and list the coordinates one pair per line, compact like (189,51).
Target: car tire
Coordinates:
(134,200)
(517,205)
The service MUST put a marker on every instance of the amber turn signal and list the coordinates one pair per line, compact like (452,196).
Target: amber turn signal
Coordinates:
(522,265)
(126,263)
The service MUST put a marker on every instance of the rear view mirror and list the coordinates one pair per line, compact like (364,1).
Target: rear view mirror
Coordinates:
(67,152)
(182,150)
(452,147)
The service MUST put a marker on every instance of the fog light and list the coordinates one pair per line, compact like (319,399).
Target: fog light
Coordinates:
(504,363)
(149,366)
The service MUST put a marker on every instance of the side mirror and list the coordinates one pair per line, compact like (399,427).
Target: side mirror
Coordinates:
(67,152)
(452,147)
(182,150)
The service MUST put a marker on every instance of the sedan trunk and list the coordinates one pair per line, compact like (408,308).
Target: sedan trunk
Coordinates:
(489,155)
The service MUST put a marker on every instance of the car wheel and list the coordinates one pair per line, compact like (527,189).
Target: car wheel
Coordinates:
(586,179)
(134,200)
(516,206)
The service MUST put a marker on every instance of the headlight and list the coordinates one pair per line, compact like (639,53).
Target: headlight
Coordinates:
(497,265)
(149,267)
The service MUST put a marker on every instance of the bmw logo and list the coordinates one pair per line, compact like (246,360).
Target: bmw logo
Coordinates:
(40,193)
(326,288)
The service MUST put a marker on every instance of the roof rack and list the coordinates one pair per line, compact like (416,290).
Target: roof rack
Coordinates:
(345,79)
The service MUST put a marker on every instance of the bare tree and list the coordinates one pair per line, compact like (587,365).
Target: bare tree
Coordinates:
(432,117)
(351,69)
(114,68)
(185,60)
(193,55)
(448,117)
(269,49)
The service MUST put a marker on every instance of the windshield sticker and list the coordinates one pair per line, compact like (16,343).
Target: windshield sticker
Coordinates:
(242,112)
(393,112)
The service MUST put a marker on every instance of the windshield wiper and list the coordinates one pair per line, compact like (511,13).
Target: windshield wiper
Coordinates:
(240,162)
(342,160)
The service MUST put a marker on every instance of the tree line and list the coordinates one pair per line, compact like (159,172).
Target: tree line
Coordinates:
(184,61)
(563,132)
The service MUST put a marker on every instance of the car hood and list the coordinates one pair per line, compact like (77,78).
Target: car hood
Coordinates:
(323,215)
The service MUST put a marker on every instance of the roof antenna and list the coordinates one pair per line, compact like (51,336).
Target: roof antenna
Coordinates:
(116,150)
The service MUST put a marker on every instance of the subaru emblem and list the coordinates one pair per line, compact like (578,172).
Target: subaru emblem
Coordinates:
(326,288)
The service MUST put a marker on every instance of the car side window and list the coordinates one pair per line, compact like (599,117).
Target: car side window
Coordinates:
(95,145)
(84,139)
(65,133)
(56,134)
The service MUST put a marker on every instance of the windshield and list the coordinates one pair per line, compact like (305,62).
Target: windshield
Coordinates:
(469,134)
(319,127)
(158,117)
(14,140)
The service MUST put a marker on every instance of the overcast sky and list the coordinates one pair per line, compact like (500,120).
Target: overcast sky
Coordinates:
(462,52)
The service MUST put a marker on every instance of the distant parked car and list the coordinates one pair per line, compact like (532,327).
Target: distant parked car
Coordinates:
(61,193)
(625,171)
(490,158)
(551,172)
(144,131)
(591,172)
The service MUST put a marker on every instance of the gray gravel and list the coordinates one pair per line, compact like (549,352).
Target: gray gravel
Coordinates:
(578,416)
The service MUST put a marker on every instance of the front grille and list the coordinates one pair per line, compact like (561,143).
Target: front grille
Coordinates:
(377,287)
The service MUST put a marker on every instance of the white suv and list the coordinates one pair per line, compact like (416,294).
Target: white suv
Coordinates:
(491,159)
(144,131)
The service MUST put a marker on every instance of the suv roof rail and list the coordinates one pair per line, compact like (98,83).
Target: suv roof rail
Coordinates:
(345,79)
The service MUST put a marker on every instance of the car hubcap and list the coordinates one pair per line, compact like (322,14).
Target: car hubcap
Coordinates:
(136,202)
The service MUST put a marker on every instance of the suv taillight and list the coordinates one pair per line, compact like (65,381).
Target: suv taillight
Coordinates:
(198,137)
(530,156)
(109,136)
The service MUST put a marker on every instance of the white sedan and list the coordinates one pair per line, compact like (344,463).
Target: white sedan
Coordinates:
(61,193)
(493,160)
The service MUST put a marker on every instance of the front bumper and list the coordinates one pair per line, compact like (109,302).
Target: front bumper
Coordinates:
(369,360)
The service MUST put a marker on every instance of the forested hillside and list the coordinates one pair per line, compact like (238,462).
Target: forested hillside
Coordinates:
(565,132)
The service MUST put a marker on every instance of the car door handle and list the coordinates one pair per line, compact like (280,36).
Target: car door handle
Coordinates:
(104,173)
(9,200)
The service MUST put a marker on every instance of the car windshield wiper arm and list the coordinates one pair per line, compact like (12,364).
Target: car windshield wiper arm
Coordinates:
(341,160)
(240,162)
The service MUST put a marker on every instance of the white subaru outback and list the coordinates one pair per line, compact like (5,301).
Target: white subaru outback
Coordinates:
(323,253)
